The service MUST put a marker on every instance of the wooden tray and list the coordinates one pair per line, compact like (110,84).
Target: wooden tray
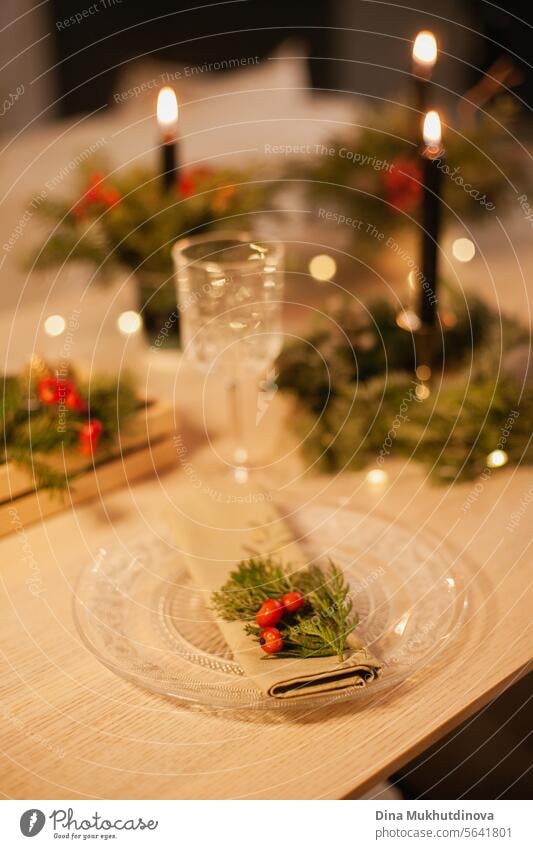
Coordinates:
(145,447)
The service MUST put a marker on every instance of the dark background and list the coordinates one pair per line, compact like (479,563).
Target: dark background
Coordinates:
(488,757)
(368,33)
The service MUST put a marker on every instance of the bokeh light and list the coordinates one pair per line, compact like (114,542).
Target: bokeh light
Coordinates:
(497,458)
(322,267)
(423,372)
(463,250)
(377,477)
(129,322)
(422,392)
(408,320)
(55,325)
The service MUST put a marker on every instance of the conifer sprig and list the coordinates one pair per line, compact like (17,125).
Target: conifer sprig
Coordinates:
(320,629)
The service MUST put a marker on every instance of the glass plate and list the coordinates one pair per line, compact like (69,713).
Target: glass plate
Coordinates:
(142,616)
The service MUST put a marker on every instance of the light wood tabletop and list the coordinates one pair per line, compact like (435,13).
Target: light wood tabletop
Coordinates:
(72,729)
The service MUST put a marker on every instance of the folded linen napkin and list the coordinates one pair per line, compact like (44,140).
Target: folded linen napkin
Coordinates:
(214,533)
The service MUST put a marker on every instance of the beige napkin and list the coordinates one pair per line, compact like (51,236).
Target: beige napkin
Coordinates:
(217,530)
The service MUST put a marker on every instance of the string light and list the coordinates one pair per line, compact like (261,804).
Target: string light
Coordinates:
(423,372)
(463,250)
(129,322)
(377,477)
(322,267)
(497,458)
(54,325)
(408,320)
(240,474)
(422,391)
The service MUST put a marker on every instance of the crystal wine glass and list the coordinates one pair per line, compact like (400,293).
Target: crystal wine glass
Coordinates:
(230,289)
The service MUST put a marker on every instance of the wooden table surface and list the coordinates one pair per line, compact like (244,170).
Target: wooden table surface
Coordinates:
(71,729)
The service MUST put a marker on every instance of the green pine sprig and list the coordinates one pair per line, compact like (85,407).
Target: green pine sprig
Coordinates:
(248,587)
(320,629)
(349,410)
(139,230)
(32,438)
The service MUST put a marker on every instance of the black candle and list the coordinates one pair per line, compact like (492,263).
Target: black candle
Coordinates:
(424,58)
(432,157)
(167,118)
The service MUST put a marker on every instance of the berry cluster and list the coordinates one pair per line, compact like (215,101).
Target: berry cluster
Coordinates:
(97,196)
(193,181)
(403,184)
(56,391)
(270,614)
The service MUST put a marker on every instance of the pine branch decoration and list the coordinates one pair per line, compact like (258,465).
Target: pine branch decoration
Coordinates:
(30,427)
(320,629)
(349,412)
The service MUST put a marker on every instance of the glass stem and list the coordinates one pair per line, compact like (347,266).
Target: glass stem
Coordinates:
(238,422)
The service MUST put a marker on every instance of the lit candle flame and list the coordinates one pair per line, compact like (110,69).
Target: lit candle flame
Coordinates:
(425,49)
(167,108)
(432,129)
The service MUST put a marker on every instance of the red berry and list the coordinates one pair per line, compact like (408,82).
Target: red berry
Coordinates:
(269,613)
(293,601)
(89,435)
(47,390)
(74,401)
(64,388)
(86,447)
(271,640)
(95,178)
(186,185)
(402,184)
(95,192)
(93,195)
(79,210)
(92,429)
(201,172)
(55,390)
(111,197)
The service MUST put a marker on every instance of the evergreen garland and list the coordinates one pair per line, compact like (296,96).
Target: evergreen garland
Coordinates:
(128,220)
(365,405)
(372,173)
(33,430)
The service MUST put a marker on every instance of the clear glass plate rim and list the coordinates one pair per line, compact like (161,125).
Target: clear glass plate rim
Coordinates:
(263,701)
